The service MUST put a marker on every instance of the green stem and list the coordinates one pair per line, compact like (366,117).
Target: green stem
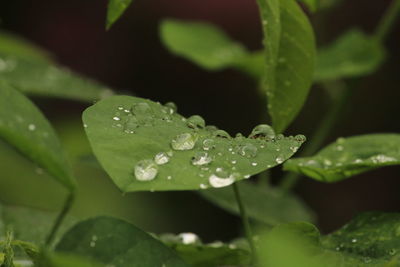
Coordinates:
(67,206)
(319,136)
(388,21)
(245,219)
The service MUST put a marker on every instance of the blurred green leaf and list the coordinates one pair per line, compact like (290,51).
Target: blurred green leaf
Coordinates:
(52,259)
(348,157)
(28,224)
(208,46)
(189,248)
(268,205)
(129,135)
(353,54)
(23,126)
(311,4)
(115,10)
(290,55)
(36,77)
(115,242)
(11,44)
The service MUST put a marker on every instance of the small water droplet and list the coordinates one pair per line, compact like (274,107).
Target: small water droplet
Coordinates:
(221,134)
(279,160)
(201,158)
(146,170)
(131,124)
(189,238)
(116,118)
(203,186)
(354,240)
(208,144)
(300,138)
(31,127)
(294,148)
(169,177)
(221,178)
(233,161)
(185,141)
(339,148)
(262,131)
(195,121)
(392,252)
(141,108)
(170,108)
(254,164)
(161,158)
(248,150)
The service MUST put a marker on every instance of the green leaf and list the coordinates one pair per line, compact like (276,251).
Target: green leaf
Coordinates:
(290,55)
(189,248)
(14,45)
(115,242)
(207,45)
(370,235)
(311,4)
(348,157)
(36,77)
(22,220)
(52,259)
(354,54)
(129,135)
(115,10)
(267,205)
(23,126)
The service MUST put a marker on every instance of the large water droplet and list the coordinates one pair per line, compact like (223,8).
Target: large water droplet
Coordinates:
(195,121)
(146,170)
(248,150)
(208,144)
(141,108)
(161,158)
(201,158)
(131,124)
(185,141)
(262,131)
(217,182)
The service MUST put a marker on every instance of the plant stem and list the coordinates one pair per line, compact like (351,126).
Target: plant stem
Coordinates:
(322,132)
(245,219)
(388,20)
(67,206)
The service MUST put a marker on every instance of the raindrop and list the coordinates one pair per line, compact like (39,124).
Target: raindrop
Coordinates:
(31,127)
(392,252)
(220,179)
(84,125)
(146,170)
(170,108)
(141,108)
(294,148)
(233,161)
(254,164)
(300,138)
(262,131)
(195,121)
(161,158)
(354,240)
(131,124)
(169,177)
(185,141)
(116,118)
(279,160)
(189,238)
(221,134)
(203,186)
(201,158)
(208,144)
(248,150)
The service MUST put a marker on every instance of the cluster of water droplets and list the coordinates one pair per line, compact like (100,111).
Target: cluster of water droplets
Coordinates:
(220,158)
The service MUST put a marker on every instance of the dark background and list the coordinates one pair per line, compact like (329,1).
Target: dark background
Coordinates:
(131,59)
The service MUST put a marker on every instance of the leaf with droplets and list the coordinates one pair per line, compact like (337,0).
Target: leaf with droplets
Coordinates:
(348,157)
(128,133)
(115,10)
(30,70)
(113,241)
(354,54)
(267,205)
(289,59)
(23,126)
(208,46)
(190,248)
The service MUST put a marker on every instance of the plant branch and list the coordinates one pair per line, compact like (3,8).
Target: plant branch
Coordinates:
(388,21)
(245,219)
(67,206)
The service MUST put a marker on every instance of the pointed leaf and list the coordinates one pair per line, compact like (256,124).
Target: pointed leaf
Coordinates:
(348,157)
(23,126)
(115,10)
(290,55)
(208,46)
(129,135)
(268,205)
(112,241)
(353,54)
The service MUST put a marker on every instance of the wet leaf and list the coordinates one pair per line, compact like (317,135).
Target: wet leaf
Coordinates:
(115,242)
(115,10)
(354,54)
(289,56)
(267,205)
(144,145)
(348,157)
(23,126)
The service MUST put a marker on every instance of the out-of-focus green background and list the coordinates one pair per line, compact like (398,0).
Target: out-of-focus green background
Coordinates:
(131,59)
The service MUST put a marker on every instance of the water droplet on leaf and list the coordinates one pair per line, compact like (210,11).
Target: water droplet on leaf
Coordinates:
(161,158)
(185,141)
(146,170)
